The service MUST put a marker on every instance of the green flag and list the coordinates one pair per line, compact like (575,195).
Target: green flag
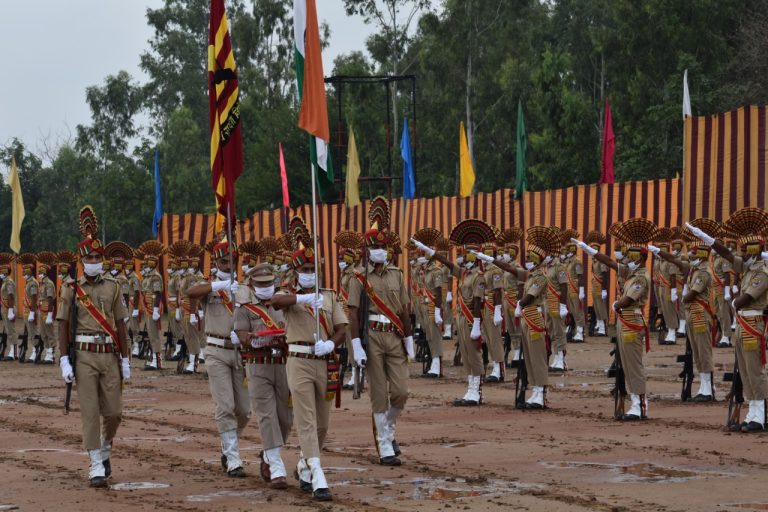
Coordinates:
(521,180)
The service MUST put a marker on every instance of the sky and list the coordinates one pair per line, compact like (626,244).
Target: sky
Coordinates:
(57,48)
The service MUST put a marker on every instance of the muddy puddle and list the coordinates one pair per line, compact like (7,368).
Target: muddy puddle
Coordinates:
(135,486)
(203,498)
(437,489)
(638,472)
(42,450)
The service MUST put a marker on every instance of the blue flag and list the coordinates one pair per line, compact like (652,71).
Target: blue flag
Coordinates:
(158,197)
(409,179)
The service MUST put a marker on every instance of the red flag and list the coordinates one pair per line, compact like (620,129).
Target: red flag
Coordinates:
(284,177)
(224,114)
(607,171)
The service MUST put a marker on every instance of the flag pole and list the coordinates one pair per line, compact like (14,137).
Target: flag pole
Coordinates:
(314,243)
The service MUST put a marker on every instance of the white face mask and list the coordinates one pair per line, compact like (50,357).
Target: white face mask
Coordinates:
(245,268)
(695,263)
(61,276)
(307,280)
(113,272)
(571,254)
(675,252)
(468,265)
(506,258)
(764,255)
(546,260)
(750,261)
(421,260)
(618,255)
(41,276)
(342,265)
(562,257)
(460,260)
(378,255)
(633,265)
(223,276)
(93,269)
(265,293)
(3,276)
(529,265)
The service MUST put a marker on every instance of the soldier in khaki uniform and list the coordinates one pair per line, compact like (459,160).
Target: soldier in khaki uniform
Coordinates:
(175,312)
(308,356)
(190,316)
(749,340)
(443,246)
(349,244)
(28,262)
(721,291)
(632,329)
(46,302)
(134,303)
(265,356)
(431,302)
(8,302)
(152,293)
(542,244)
(102,352)
(576,284)
(493,281)
(668,275)
(512,289)
(595,240)
(66,263)
(223,362)
(557,309)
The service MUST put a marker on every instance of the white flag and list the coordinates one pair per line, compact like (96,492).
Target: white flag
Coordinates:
(686,97)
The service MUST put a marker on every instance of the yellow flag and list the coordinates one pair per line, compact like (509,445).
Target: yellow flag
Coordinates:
(466,172)
(17,207)
(353,173)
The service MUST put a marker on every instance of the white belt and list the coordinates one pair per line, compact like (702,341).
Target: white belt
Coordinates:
(382,319)
(301,349)
(82,338)
(216,342)
(750,312)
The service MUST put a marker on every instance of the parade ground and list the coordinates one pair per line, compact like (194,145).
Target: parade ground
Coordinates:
(571,457)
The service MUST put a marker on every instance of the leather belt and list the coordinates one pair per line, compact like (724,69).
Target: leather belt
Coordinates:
(99,338)
(301,349)
(750,312)
(382,319)
(218,342)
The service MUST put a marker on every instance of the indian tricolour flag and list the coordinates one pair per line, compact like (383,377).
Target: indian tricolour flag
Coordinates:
(313,113)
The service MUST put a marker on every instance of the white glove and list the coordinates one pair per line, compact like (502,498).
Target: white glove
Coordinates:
(734,288)
(430,252)
(323,348)
(483,257)
(727,293)
(358,353)
(49,318)
(408,340)
(764,255)
(316,301)
(67,373)
(217,286)
(518,311)
(438,316)
(156,314)
(126,320)
(449,297)
(135,313)
(233,338)
(178,314)
(125,368)
(31,317)
(201,314)
(193,319)
(701,235)
(563,310)
(11,315)
(581,293)
(685,290)
(584,247)
(655,250)
(604,294)
(475,332)
(673,295)
(497,315)
(233,287)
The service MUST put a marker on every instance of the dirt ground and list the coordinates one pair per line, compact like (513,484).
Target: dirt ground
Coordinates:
(571,457)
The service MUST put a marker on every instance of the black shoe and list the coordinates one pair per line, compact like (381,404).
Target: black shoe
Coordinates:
(148,368)
(752,426)
(431,376)
(735,427)
(396,447)
(99,481)
(529,405)
(347,386)
(238,472)
(107,468)
(264,470)
(630,417)
(491,378)
(224,462)
(702,398)
(323,494)
(304,486)
(390,460)
(470,403)
(459,402)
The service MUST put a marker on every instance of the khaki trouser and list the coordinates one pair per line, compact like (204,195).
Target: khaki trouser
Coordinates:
(46,331)
(447,311)
(191,336)
(513,328)
(575,308)
(631,349)
(667,308)
(387,367)
(153,330)
(175,326)
(10,330)
(434,336)
(752,371)
(228,390)
(535,355)
(31,332)
(99,391)
(268,388)
(471,354)
(556,330)
(601,310)
(308,380)
(723,312)
(701,343)
(134,326)
(492,336)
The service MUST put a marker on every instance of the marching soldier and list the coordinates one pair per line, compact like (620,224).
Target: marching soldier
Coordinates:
(152,292)
(261,329)
(676,277)
(721,276)
(175,312)
(432,302)
(595,240)
(308,355)
(574,271)
(99,339)
(66,263)
(557,309)
(349,244)
(8,298)
(191,314)
(667,274)
(45,304)
(632,327)
(28,261)
(512,288)
(443,246)
(134,302)
(223,362)
(493,278)
(749,340)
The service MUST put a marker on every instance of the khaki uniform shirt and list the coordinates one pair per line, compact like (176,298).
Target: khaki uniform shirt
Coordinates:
(511,283)
(187,281)
(219,322)
(700,281)
(536,286)
(575,270)
(152,283)
(46,295)
(447,281)
(636,288)
(174,285)
(598,270)
(30,294)
(433,280)
(8,289)
(300,321)
(754,282)
(388,284)
(134,285)
(720,268)
(104,292)
(494,280)
(470,286)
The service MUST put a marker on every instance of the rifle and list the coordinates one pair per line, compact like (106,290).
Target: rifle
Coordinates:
(23,345)
(687,373)
(735,396)
(521,381)
(619,390)
(39,346)
(71,350)
(507,348)
(358,372)
(3,343)
(343,361)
